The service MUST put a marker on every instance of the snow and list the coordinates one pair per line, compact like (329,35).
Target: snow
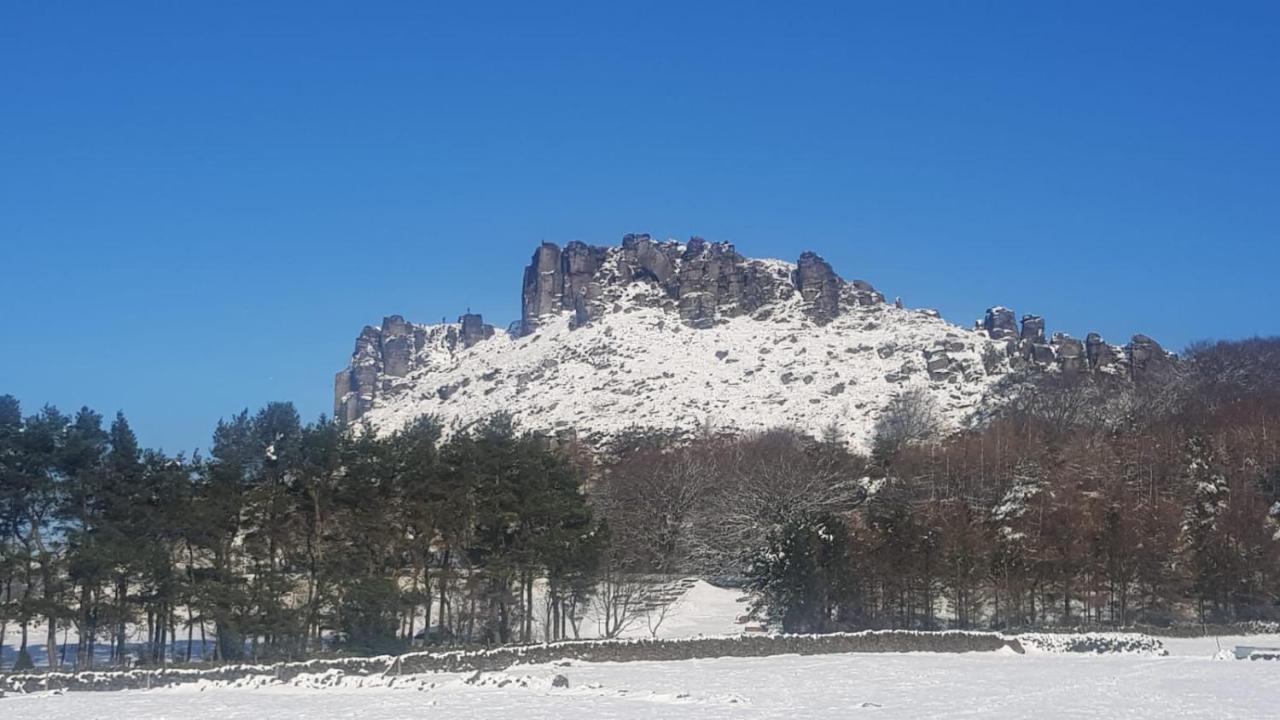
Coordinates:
(639,365)
(1196,679)
(1210,645)
(703,611)
(888,685)
(700,610)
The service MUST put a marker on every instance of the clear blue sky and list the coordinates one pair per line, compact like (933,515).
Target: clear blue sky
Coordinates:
(202,203)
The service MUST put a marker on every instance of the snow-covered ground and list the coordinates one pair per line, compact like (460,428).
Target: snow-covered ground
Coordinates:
(830,686)
(1194,680)
(1212,645)
(701,610)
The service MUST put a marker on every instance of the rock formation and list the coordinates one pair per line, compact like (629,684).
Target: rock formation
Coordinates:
(703,281)
(391,351)
(678,335)
(999,323)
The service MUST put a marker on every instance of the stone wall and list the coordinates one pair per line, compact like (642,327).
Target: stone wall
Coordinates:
(874,641)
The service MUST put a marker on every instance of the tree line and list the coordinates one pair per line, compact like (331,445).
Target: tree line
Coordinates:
(289,538)
(1080,500)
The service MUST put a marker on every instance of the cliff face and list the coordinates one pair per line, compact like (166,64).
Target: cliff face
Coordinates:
(386,353)
(701,282)
(691,335)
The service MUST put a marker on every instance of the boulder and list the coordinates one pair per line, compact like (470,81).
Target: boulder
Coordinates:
(1146,357)
(1033,328)
(474,329)
(1040,353)
(1099,354)
(1000,323)
(1070,353)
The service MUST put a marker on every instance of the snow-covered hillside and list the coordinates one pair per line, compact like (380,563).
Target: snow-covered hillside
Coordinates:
(687,337)
(644,368)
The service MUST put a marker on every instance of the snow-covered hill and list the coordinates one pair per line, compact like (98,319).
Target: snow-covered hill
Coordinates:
(693,336)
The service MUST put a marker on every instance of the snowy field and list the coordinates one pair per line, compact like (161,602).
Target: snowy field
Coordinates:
(1193,681)
(830,686)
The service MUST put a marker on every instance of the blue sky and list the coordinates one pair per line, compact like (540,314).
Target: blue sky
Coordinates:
(202,203)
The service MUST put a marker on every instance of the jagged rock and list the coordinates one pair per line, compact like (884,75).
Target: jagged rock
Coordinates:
(819,286)
(355,387)
(1146,357)
(474,329)
(543,286)
(1033,328)
(385,354)
(715,281)
(397,346)
(579,264)
(1038,353)
(341,391)
(645,260)
(706,281)
(1070,353)
(1000,323)
(993,361)
(604,308)
(1098,352)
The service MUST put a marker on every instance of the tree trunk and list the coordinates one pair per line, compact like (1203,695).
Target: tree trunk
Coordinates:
(51,641)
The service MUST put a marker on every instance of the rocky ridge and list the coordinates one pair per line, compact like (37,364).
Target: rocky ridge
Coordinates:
(689,336)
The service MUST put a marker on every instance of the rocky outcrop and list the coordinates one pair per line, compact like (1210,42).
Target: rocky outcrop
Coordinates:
(543,286)
(473,329)
(643,259)
(1033,328)
(710,277)
(1027,349)
(1000,323)
(704,282)
(1099,354)
(617,311)
(389,352)
(819,286)
(1147,358)
(396,345)
(1069,353)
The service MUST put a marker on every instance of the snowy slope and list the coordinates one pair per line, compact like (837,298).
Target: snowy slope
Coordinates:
(642,366)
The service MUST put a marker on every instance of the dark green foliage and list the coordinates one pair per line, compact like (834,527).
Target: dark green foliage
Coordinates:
(804,574)
(289,538)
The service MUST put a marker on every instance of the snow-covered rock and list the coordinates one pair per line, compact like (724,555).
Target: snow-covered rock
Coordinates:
(683,337)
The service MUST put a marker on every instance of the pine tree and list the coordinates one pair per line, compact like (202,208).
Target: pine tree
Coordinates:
(803,574)
(1208,493)
(83,517)
(10,506)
